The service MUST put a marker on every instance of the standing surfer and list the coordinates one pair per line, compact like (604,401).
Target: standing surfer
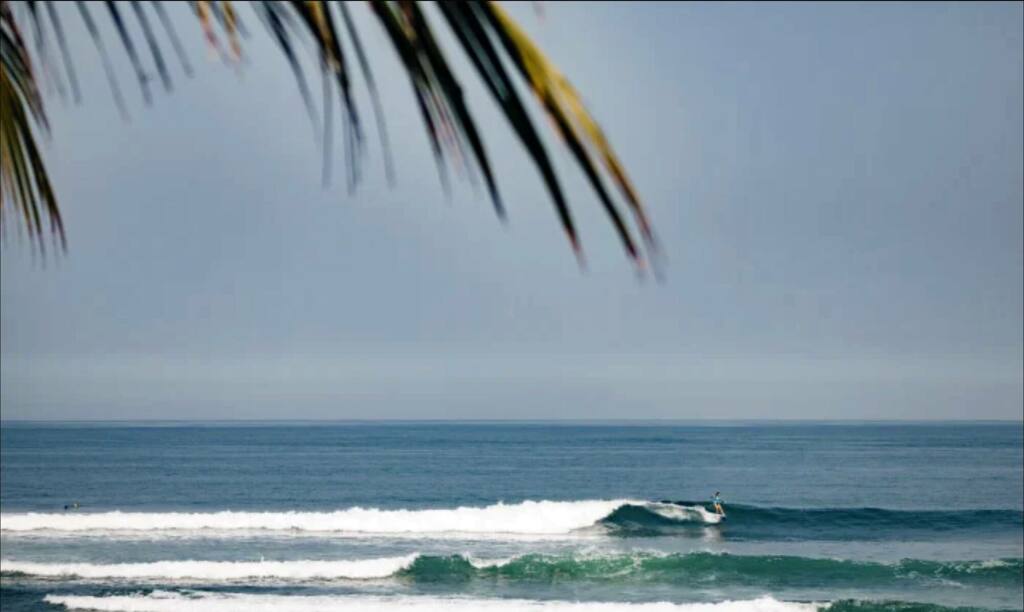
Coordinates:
(716,501)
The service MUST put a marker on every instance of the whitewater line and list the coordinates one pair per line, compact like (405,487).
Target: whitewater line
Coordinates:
(528,517)
(663,566)
(218,570)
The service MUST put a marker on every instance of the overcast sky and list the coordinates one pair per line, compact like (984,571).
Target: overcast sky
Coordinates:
(838,190)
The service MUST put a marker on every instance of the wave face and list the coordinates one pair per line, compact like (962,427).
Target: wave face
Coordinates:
(542,518)
(159,601)
(706,569)
(763,523)
(692,569)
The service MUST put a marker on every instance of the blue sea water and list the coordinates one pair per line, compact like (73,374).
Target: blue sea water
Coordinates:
(511,516)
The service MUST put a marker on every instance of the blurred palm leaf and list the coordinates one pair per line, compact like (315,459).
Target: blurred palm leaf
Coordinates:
(482,28)
(26,186)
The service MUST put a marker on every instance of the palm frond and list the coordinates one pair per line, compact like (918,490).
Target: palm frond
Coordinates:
(449,88)
(487,35)
(316,16)
(275,23)
(108,68)
(26,185)
(43,49)
(465,22)
(571,118)
(371,87)
(58,28)
(227,19)
(129,47)
(17,64)
(203,11)
(154,48)
(161,13)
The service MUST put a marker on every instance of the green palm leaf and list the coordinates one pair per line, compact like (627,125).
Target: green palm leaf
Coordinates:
(485,32)
(26,186)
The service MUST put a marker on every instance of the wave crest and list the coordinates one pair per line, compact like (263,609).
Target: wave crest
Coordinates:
(695,569)
(528,517)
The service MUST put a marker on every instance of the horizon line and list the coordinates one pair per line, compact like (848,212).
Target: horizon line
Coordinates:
(570,420)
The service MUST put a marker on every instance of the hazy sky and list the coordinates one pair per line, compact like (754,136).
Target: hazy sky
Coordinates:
(838,189)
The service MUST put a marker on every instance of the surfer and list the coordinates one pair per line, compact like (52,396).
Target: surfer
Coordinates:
(716,501)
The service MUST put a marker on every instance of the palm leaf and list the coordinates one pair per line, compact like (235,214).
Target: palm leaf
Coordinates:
(570,117)
(129,47)
(465,23)
(439,94)
(484,31)
(58,28)
(154,48)
(418,80)
(315,14)
(42,48)
(371,87)
(451,90)
(203,10)
(26,185)
(18,66)
(107,67)
(268,11)
(225,15)
(158,6)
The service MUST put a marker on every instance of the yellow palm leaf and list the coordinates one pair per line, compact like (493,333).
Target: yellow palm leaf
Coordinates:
(560,97)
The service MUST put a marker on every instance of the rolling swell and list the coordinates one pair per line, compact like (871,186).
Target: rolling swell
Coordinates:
(692,570)
(707,569)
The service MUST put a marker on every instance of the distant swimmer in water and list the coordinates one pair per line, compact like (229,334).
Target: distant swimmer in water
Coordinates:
(716,501)
(71,506)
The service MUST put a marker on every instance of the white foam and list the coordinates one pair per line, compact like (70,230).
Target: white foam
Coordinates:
(213,571)
(485,563)
(528,517)
(989,564)
(685,513)
(159,601)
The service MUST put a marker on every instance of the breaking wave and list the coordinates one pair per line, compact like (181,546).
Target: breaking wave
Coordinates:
(528,517)
(535,518)
(693,569)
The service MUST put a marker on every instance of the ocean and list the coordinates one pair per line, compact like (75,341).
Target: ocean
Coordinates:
(511,516)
